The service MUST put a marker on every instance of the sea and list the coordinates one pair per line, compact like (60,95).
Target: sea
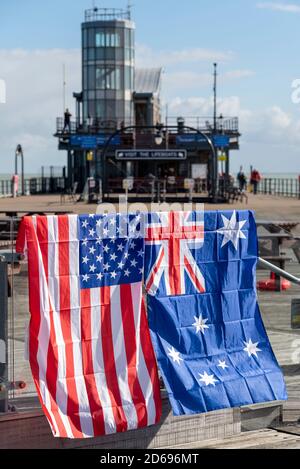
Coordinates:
(7,177)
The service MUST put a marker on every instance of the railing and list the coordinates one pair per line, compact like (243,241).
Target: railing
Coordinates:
(154,186)
(33,186)
(96,125)
(5,188)
(284,187)
(91,126)
(53,171)
(107,14)
(206,124)
(15,371)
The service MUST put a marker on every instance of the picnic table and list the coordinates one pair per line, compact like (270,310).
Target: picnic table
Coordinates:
(277,226)
(278,235)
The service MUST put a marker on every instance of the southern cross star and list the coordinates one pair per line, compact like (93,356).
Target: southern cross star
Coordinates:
(200,324)
(175,356)
(222,364)
(207,379)
(251,348)
(232,230)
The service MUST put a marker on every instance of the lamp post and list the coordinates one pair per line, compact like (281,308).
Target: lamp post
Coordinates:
(20,154)
(160,128)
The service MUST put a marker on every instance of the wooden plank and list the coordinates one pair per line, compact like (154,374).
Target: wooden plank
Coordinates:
(255,440)
(33,431)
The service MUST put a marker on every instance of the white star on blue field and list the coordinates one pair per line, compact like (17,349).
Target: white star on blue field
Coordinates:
(111,252)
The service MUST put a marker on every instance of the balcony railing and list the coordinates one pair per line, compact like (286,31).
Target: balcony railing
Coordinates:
(93,126)
(107,14)
(206,124)
(90,126)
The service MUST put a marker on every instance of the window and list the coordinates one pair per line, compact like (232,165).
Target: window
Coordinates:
(91,55)
(108,39)
(128,78)
(100,39)
(110,109)
(91,37)
(85,78)
(100,78)
(108,78)
(128,38)
(100,109)
(128,55)
(91,78)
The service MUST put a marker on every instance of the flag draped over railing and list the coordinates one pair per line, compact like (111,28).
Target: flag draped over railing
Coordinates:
(208,335)
(90,350)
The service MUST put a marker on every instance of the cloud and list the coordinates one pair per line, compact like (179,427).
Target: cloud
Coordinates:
(147,57)
(186,80)
(270,125)
(285,7)
(199,106)
(2,92)
(237,74)
(34,98)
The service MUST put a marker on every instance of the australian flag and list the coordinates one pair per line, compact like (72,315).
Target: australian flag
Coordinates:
(209,338)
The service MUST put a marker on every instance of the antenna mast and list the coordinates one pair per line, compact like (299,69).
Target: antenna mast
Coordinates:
(129,8)
(64,87)
(215,97)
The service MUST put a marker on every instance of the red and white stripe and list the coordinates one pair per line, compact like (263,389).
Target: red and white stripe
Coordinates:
(175,236)
(90,350)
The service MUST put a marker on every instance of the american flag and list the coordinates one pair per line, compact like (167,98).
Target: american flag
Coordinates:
(90,350)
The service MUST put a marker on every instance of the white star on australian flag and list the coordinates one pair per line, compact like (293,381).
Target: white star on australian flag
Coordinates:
(232,230)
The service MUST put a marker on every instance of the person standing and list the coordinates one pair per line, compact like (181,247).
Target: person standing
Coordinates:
(255,180)
(67,123)
(242,180)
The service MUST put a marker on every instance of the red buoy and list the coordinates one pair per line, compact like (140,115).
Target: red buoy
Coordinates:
(271,284)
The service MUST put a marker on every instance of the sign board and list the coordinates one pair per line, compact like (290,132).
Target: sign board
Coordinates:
(128,184)
(199,171)
(221,141)
(189,184)
(222,158)
(88,142)
(90,156)
(92,183)
(151,155)
(186,139)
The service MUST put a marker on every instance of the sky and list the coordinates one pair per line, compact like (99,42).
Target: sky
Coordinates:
(255,43)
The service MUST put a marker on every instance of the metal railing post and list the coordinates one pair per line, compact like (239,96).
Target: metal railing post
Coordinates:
(3,336)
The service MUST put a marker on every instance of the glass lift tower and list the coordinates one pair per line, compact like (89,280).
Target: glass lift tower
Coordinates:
(108,58)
